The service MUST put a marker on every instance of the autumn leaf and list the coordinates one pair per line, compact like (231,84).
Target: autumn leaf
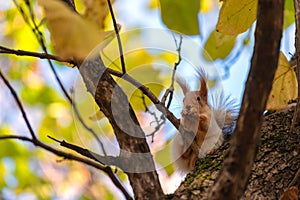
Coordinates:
(96,11)
(71,34)
(218,45)
(284,86)
(181,16)
(236,16)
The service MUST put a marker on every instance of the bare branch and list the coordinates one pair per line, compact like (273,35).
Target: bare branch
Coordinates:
(118,36)
(159,122)
(35,54)
(104,160)
(170,90)
(69,156)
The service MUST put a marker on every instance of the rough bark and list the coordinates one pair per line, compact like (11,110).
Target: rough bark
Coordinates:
(237,166)
(275,167)
(135,157)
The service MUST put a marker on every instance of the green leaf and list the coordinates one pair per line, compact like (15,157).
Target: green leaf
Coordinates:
(236,16)
(218,45)
(181,16)
(288,13)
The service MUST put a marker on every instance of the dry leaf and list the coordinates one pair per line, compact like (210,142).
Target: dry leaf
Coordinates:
(285,87)
(71,34)
(96,11)
(236,16)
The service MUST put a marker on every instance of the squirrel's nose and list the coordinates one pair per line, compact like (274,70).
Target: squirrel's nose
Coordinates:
(188,108)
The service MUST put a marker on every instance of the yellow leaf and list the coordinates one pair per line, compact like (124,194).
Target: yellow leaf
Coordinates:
(218,45)
(96,11)
(236,16)
(284,87)
(71,34)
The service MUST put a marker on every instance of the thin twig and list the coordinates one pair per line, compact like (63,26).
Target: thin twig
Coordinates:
(159,122)
(118,36)
(170,90)
(13,92)
(35,54)
(105,160)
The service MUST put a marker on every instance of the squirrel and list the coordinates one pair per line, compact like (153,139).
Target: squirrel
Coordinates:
(203,127)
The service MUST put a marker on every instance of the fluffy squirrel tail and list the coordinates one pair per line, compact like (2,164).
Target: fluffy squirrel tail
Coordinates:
(225,110)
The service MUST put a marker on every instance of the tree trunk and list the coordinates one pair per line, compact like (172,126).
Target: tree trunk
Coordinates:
(237,166)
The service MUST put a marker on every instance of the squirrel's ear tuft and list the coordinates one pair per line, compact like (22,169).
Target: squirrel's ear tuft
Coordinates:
(183,85)
(203,89)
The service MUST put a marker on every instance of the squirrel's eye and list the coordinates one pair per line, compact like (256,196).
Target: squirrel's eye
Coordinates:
(198,98)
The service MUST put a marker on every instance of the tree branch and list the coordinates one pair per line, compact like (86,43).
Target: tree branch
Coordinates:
(170,90)
(106,169)
(118,36)
(104,160)
(35,54)
(237,166)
